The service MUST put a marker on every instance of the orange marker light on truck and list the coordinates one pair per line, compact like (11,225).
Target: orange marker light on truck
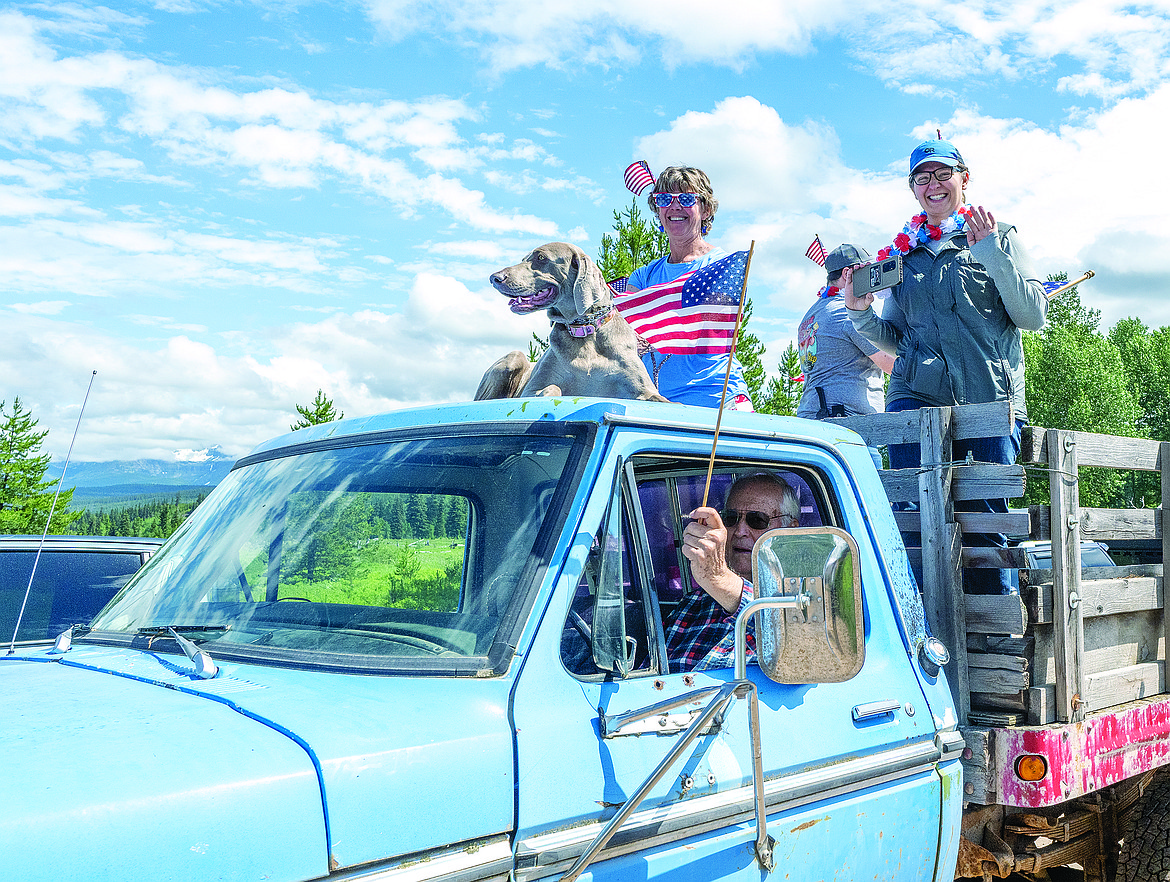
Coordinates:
(1031,767)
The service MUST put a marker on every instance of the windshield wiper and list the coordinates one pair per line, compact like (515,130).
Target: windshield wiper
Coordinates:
(180,629)
(205,668)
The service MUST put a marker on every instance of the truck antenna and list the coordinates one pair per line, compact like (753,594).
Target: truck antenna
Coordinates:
(49,519)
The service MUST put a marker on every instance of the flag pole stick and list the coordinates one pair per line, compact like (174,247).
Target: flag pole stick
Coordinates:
(1088,275)
(727,375)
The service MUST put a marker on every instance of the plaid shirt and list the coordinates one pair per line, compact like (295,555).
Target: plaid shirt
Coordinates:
(701,634)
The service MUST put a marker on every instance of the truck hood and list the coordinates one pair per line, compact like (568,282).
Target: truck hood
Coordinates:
(118,761)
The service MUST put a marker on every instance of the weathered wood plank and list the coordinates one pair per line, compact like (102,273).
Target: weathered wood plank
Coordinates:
(978,767)
(1094,450)
(1110,642)
(984,680)
(992,680)
(968,421)
(1099,597)
(1064,493)
(994,558)
(1125,684)
(1016,702)
(997,644)
(1041,705)
(941,543)
(1015,523)
(997,661)
(1035,577)
(996,613)
(1120,523)
(998,717)
(979,480)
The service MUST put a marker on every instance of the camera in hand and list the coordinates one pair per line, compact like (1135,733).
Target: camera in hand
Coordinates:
(877,276)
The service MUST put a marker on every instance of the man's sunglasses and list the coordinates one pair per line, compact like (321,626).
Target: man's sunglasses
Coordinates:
(686,200)
(756,520)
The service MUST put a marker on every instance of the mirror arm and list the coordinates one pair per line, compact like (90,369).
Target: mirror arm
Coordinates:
(795,601)
(612,726)
(725,695)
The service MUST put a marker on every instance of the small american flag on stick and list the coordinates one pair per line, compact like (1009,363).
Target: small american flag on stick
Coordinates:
(816,251)
(638,177)
(692,315)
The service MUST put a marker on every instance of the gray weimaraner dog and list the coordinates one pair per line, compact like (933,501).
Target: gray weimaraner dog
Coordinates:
(592,350)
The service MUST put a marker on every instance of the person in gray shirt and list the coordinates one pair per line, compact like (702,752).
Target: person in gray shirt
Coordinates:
(842,370)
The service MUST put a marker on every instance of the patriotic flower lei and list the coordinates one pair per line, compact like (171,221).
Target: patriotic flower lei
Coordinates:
(918,232)
(828,291)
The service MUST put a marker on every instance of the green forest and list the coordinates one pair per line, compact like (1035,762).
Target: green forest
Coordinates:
(155,518)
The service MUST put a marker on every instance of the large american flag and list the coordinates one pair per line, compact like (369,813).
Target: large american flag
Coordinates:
(693,314)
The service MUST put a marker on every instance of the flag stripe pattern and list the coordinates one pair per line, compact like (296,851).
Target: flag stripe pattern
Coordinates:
(638,177)
(693,314)
(816,251)
(1049,287)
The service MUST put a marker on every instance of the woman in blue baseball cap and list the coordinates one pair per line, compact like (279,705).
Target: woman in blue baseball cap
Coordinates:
(954,320)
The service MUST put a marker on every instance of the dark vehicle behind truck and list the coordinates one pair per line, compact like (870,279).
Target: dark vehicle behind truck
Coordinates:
(75,577)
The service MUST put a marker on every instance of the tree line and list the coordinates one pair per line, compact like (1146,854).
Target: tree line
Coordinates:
(406,516)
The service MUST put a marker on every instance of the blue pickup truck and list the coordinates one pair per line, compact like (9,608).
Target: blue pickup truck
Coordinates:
(297,686)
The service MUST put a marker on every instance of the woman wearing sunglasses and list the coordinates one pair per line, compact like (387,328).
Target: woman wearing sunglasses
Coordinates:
(685,206)
(954,321)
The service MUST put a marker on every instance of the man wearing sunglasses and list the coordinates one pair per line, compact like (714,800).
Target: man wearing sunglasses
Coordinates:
(701,631)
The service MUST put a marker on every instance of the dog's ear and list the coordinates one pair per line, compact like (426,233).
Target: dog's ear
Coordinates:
(589,288)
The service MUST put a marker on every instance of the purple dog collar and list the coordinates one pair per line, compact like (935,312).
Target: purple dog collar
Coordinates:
(591,327)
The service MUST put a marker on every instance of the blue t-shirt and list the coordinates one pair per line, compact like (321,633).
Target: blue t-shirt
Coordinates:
(688,379)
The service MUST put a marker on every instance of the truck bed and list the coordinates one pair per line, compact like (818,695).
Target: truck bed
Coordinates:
(1073,665)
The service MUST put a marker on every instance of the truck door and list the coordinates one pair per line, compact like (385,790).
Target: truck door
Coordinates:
(851,786)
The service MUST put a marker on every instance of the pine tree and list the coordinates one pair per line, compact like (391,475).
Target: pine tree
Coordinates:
(750,353)
(783,394)
(25,496)
(320,411)
(636,244)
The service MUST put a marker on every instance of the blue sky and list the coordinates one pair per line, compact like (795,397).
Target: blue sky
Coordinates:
(223,206)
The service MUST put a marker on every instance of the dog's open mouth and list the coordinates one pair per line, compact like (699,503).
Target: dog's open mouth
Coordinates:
(529,302)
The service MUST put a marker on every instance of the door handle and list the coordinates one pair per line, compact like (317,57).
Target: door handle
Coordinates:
(875,709)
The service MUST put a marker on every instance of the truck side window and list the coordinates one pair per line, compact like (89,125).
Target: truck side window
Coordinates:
(576,651)
(670,491)
(655,574)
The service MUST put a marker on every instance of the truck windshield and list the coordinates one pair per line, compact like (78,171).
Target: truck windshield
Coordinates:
(400,553)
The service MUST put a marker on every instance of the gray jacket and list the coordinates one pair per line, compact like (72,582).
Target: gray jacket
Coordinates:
(954,322)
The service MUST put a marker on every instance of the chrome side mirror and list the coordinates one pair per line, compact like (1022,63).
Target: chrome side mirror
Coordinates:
(821,639)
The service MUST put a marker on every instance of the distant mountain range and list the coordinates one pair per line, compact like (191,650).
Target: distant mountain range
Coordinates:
(143,479)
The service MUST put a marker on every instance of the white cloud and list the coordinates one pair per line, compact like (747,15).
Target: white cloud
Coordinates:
(1077,200)
(275,137)
(1122,47)
(433,349)
(45,307)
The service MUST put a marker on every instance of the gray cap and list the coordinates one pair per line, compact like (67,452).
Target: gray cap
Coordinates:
(843,256)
